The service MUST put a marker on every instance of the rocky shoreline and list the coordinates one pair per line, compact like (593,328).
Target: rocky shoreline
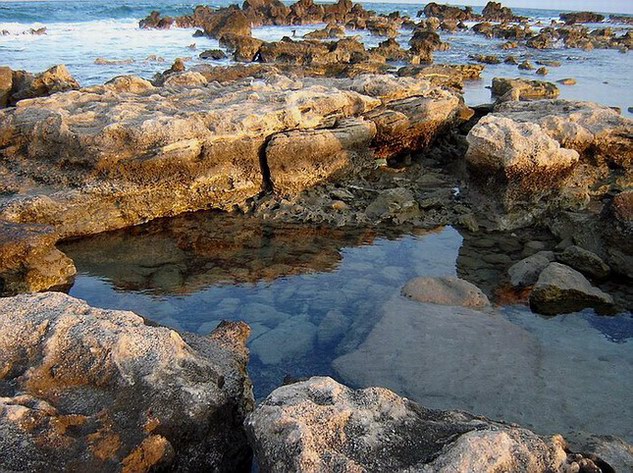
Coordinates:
(319,131)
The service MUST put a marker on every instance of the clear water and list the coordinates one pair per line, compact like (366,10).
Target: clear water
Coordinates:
(324,301)
(80,32)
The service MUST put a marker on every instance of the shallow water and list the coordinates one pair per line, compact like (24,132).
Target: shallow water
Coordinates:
(325,301)
(78,33)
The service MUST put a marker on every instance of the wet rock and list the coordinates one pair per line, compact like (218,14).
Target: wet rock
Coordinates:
(542,71)
(526,66)
(6,85)
(321,425)
(154,20)
(568,81)
(332,327)
(486,59)
(391,50)
(291,339)
(244,48)
(29,261)
(526,272)
(215,54)
(584,261)
(581,17)
(521,89)
(622,209)
(398,205)
(330,31)
(494,11)
(446,12)
(446,291)
(423,43)
(561,290)
(116,393)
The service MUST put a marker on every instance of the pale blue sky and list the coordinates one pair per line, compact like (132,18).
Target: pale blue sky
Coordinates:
(616,6)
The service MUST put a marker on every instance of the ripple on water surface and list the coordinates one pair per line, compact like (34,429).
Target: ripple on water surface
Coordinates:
(325,301)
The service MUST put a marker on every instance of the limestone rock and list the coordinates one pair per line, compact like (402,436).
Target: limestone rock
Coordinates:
(526,272)
(498,143)
(99,390)
(320,425)
(396,204)
(24,85)
(584,261)
(29,261)
(560,290)
(446,291)
(522,89)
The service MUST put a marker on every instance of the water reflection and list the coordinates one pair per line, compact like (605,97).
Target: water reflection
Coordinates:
(327,301)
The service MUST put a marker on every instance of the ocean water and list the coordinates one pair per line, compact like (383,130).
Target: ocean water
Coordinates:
(82,32)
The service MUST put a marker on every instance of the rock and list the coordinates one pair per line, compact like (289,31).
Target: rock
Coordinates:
(522,89)
(330,31)
(486,59)
(265,12)
(542,71)
(391,50)
(26,85)
(299,160)
(29,261)
(291,339)
(561,290)
(321,425)
(499,144)
(622,210)
(441,11)
(217,23)
(568,81)
(215,54)
(6,85)
(613,450)
(245,48)
(584,261)
(332,327)
(423,43)
(526,66)
(398,205)
(118,394)
(581,17)
(138,156)
(449,75)
(586,127)
(185,79)
(446,291)
(494,11)
(526,272)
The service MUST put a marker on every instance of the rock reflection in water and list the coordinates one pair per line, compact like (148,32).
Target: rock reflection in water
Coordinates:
(192,252)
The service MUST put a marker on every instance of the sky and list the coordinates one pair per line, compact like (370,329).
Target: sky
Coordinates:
(613,6)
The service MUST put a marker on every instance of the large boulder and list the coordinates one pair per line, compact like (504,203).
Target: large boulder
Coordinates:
(320,425)
(561,290)
(494,11)
(526,272)
(588,263)
(19,85)
(441,11)
(100,390)
(581,17)
(29,261)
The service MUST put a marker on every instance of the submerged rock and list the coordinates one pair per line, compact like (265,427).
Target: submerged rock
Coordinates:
(100,390)
(522,89)
(561,290)
(320,425)
(446,291)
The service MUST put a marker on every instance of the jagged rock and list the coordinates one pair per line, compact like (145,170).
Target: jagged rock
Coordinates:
(423,43)
(215,54)
(526,66)
(622,209)
(391,50)
(446,291)
(330,31)
(581,17)
(542,71)
(522,89)
(6,85)
(24,85)
(494,11)
(584,261)
(448,75)
(116,393)
(526,272)
(561,289)
(321,425)
(245,48)
(446,12)
(486,59)
(29,261)
(217,23)
(264,12)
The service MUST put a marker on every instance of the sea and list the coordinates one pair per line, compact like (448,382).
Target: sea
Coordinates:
(99,40)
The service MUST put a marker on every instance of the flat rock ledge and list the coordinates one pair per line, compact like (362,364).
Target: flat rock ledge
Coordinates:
(85,389)
(321,425)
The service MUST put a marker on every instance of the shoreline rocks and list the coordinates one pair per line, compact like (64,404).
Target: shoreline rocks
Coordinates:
(321,425)
(102,390)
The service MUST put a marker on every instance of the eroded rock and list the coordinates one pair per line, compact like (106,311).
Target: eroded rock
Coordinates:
(446,291)
(116,393)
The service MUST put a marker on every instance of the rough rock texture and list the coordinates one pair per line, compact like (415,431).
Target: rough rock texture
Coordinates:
(498,143)
(522,89)
(526,272)
(446,290)
(581,17)
(561,289)
(99,390)
(584,261)
(447,12)
(19,85)
(29,261)
(127,152)
(397,205)
(321,425)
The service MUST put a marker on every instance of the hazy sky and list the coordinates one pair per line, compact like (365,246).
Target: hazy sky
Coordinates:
(617,6)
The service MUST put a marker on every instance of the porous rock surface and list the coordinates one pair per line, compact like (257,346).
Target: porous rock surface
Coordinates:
(127,152)
(321,425)
(446,291)
(87,389)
